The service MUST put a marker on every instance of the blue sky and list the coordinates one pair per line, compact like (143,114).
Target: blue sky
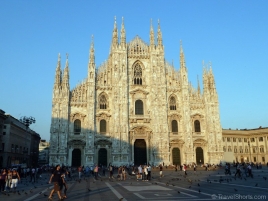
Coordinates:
(232,35)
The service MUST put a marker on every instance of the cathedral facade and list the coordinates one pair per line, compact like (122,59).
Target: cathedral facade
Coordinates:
(134,109)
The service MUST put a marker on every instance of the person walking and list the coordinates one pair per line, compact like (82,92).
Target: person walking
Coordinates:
(63,184)
(145,171)
(161,171)
(110,172)
(8,180)
(149,169)
(56,176)
(194,168)
(184,169)
(3,176)
(79,172)
(15,179)
(96,171)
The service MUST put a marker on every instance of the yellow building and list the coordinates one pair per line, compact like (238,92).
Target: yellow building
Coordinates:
(245,145)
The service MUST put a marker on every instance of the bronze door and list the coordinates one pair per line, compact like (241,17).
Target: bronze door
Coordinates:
(199,155)
(176,155)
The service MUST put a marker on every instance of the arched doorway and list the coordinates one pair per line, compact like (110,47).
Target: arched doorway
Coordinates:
(242,159)
(176,156)
(76,157)
(102,157)
(140,155)
(199,155)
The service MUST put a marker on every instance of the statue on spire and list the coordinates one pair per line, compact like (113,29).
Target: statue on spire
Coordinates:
(159,35)
(123,34)
(151,34)
(115,36)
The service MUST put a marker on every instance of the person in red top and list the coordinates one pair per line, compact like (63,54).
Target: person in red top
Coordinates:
(184,169)
(79,172)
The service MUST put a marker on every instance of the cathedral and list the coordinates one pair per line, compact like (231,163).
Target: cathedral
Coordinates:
(135,108)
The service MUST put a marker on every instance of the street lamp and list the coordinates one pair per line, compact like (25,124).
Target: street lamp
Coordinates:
(27,121)
(249,150)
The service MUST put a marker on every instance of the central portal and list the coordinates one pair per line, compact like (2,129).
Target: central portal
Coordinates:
(140,154)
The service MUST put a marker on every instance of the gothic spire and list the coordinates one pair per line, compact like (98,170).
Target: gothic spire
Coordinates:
(92,52)
(182,59)
(123,33)
(198,87)
(159,35)
(115,36)
(66,73)
(58,73)
(151,34)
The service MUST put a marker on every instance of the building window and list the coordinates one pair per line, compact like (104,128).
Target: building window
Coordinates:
(138,107)
(223,139)
(239,140)
(77,127)
(241,150)
(263,159)
(246,150)
(262,149)
(260,139)
(229,149)
(138,75)
(252,139)
(224,149)
(245,140)
(103,102)
(234,139)
(235,150)
(254,158)
(172,103)
(197,126)
(102,126)
(174,126)
(228,139)
(254,150)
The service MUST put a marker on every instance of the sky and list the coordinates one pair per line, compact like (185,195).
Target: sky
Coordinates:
(232,35)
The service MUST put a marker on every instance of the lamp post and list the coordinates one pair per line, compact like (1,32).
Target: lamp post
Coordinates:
(27,121)
(249,151)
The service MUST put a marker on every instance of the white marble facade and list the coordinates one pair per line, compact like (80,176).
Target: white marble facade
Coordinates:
(135,94)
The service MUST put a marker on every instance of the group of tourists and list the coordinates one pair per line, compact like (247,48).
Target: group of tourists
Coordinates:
(9,179)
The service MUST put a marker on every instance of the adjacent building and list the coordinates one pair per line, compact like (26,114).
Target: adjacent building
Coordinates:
(245,145)
(43,152)
(135,108)
(19,143)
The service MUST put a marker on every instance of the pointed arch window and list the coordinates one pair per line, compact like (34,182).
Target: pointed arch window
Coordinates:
(102,126)
(197,126)
(174,125)
(138,74)
(138,107)
(77,127)
(103,102)
(172,103)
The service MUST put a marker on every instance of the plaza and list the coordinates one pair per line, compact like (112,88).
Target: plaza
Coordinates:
(199,185)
